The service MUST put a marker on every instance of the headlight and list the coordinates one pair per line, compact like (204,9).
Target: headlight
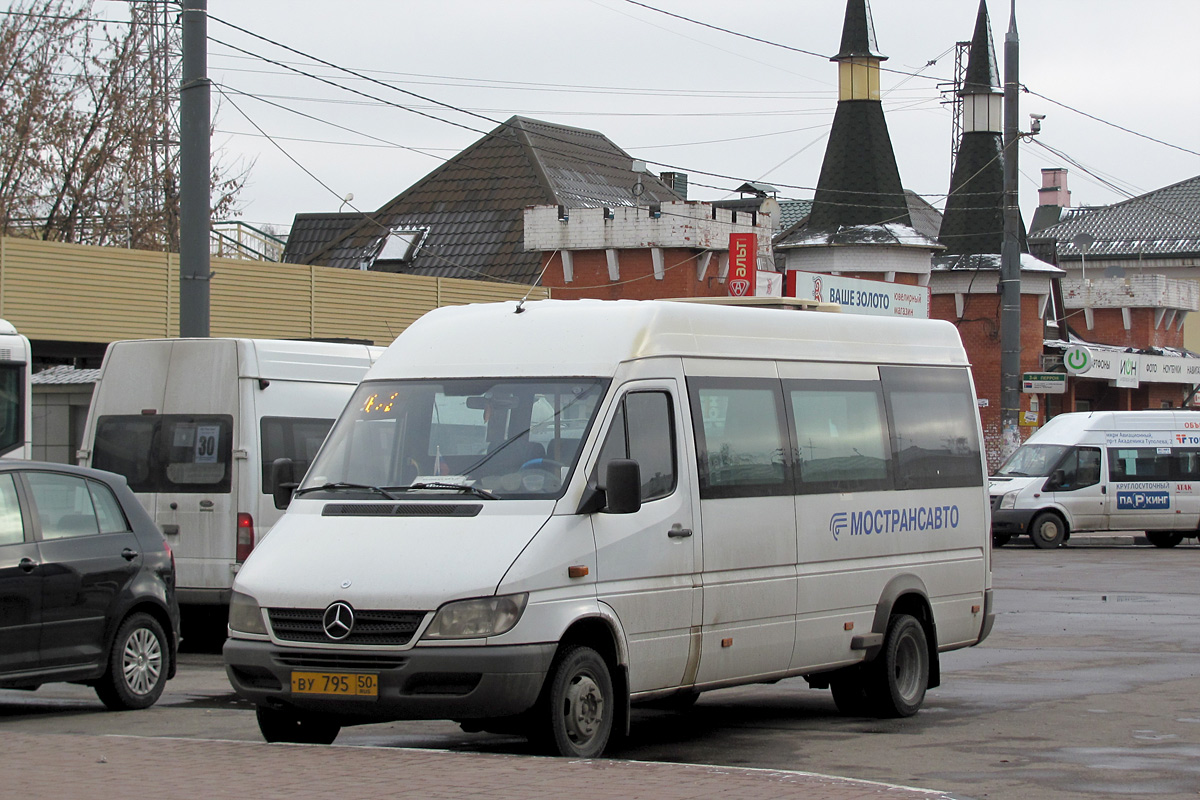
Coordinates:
(475,619)
(1009,500)
(245,616)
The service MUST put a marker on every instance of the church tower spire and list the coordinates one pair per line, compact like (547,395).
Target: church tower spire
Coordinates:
(859,183)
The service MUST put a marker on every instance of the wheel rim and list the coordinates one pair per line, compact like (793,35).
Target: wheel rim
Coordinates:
(1048,531)
(907,673)
(141,661)
(583,709)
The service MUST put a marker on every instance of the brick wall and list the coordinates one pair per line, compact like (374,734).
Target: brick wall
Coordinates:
(636,281)
(1108,326)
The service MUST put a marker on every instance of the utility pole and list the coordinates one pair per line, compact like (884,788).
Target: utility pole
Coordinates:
(194,208)
(1010,253)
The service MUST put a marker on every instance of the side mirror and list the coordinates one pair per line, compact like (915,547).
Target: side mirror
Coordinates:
(283,481)
(623,486)
(1055,481)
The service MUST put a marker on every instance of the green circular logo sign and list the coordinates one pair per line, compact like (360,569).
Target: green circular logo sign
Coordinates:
(1078,360)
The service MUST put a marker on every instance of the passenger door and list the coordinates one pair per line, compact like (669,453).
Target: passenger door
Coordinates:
(748,511)
(1079,487)
(89,557)
(20,584)
(646,561)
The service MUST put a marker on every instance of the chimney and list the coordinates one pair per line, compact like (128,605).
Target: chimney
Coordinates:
(1054,190)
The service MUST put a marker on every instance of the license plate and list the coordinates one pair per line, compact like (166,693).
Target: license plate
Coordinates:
(340,684)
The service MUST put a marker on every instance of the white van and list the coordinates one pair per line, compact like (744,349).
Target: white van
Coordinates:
(16,420)
(1102,471)
(194,426)
(532,515)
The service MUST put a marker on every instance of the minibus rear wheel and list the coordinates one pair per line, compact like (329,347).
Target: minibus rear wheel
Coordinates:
(899,675)
(1047,531)
(579,703)
(1164,538)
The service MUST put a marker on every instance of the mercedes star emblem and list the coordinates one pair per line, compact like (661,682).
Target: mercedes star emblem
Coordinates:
(338,620)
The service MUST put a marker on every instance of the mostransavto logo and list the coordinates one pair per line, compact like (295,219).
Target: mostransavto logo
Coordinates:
(894,520)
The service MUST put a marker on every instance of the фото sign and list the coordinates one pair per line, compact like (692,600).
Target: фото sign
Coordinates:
(857,296)
(743,264)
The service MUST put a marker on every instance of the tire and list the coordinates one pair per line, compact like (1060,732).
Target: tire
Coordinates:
(850,696)
(138,665)
(1000,539)
(294,727)
(1047,531)
(899,675)
(1164,538)
(578,706)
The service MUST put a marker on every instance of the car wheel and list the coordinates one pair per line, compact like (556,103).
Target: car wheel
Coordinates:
(1164,538)
(899,675)
(1047,531)
(1000,539)
(295,727)
(579,706)
(137,665)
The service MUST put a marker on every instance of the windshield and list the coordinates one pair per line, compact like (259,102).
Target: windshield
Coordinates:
(1033,461)
(504,438)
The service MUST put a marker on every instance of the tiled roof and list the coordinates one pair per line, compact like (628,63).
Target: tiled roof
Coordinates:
(974,218)
(65,376)
(859,183)
(982,75)
(310,231)
(926,220)
(1165,222)
(473,205)
(858,33)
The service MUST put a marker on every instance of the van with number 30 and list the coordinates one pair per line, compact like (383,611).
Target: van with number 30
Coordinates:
(533,516)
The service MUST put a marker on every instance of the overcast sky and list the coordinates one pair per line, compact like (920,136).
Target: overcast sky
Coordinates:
(682,96)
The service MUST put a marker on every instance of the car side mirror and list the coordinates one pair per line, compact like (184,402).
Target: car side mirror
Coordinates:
(1055,481)
(283,481)
(623,486)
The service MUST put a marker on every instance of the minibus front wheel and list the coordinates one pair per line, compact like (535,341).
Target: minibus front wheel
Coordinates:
(579,703)
(1047,531)
(1164,538)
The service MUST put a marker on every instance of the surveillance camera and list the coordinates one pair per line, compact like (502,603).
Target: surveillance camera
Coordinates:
(1037,116)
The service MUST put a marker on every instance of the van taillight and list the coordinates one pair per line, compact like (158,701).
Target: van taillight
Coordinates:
(245,536)
(171,553)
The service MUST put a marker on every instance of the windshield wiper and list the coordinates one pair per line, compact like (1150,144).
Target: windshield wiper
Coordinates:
(343,485)
(462,487)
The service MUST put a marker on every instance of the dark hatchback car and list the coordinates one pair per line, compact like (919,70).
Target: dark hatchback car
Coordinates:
(87,585)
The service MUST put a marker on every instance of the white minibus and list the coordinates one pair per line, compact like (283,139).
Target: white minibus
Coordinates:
(16,422)
(1102,471)
(533,515)
(194,426)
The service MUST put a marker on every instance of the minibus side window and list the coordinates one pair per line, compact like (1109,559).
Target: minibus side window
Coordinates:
(643,429)
(740,440)
(841,438)
(1187,465)
(1079,469)
(1139,464)
(935,439)
(290,437)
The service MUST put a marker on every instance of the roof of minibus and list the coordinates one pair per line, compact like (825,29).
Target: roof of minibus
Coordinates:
(1071,428)
(267,359)
(591,337)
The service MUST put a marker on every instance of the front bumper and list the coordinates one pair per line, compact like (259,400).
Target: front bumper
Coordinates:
(459,683)
(1012,521)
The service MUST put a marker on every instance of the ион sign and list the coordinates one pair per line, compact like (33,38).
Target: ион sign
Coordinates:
(743,264)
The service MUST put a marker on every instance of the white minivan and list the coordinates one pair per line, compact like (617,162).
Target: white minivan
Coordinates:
(1102,471)
(533,515)
(194,426)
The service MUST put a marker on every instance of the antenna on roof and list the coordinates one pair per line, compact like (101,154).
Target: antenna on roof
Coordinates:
(521,303)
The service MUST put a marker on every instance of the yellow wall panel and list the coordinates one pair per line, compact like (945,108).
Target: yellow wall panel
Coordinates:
(68,292)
